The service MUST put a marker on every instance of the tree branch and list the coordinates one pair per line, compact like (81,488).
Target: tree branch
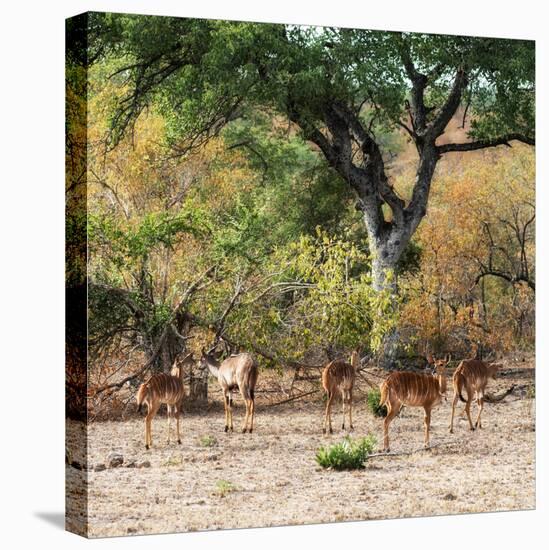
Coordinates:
(238,289)
(447,111)
(418,113)
(507,277)
(373,172)
(485,143)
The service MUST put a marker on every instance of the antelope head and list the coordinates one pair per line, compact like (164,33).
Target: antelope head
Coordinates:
(439,370)
(176,369)
(493,370)
(209,360)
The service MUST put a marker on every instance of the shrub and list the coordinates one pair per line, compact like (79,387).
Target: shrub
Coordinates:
(373,398)
(224,487)
(208,441)
(174,460)
(347,455)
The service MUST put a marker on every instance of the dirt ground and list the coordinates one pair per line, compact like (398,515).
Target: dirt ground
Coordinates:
(217,481)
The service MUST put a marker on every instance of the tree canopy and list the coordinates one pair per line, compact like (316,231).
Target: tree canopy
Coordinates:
(341,87)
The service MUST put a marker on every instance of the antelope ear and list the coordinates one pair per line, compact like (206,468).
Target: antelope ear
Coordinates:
(430,359)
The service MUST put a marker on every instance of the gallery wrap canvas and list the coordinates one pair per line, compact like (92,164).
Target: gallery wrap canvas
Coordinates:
(300,274)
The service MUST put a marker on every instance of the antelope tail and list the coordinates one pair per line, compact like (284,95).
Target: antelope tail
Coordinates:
(384,394)
(459,387)
(251,379)
(141,395)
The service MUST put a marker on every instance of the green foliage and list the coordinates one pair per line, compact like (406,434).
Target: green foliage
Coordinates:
(311,292)
(224,487)
(130,241)
(340,305)
(349,454)
(375,407)
(200,71)
(208,441)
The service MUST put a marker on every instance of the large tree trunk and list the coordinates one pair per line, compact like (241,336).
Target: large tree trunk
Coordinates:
(386,253)
(387,240)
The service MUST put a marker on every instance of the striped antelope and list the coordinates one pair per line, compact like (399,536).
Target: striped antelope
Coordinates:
(473,375)
(339,376)
(413,390)
(163,388)
(237,372)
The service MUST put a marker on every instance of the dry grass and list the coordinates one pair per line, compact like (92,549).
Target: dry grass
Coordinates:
(270,477)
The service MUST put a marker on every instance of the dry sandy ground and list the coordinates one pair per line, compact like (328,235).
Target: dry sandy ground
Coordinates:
(271,478)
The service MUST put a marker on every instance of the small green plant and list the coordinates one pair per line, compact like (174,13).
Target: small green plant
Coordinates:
(347,455)
(224,487)
(173,460)
(208,441)
(373,398)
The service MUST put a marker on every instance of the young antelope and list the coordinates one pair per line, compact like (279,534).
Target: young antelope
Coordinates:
(162,388)
(339,376)
(473,375)
(237,372)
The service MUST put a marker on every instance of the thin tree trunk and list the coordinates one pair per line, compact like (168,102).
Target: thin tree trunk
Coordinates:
(198,386)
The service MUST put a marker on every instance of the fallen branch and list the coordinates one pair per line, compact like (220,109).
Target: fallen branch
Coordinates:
(292,398)
(497,398)
(406,453)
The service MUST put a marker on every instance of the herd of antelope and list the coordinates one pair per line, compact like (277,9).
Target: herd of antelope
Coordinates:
(240,372)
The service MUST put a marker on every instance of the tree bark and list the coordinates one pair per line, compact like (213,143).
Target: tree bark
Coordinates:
(198,385)
(385,257)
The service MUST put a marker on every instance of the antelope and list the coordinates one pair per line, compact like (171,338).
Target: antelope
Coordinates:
(414,390)
(339,376)
(473,375)
(237,372)
(163,388)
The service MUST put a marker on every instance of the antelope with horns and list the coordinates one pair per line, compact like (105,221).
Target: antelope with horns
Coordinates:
(473,375)
(339,376)
(413,390)
(163,388)
(237,372)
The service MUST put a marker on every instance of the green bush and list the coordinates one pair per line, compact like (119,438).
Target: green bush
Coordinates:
(224,487)
(208,441)
(373,403)
(347,455)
